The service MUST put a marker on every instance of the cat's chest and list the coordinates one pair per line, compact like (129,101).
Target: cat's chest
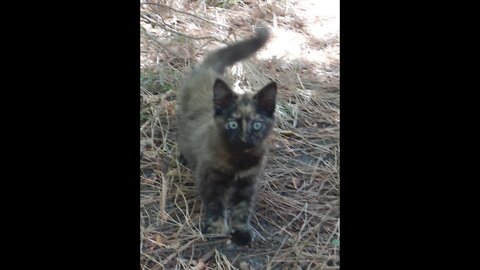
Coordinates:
(246,164)
(241,164)
(245,161)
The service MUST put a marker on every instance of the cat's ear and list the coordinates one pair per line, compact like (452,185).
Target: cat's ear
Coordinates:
(223,96)
(266,99)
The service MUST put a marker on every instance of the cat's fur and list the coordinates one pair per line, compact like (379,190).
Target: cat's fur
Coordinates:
(221,136)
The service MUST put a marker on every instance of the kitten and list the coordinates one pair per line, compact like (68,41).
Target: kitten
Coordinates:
(221,137)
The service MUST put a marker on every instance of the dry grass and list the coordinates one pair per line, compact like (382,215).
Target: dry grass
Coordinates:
(297,212)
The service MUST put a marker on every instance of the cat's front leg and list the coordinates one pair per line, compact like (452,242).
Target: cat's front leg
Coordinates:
(213,185)
(242,200)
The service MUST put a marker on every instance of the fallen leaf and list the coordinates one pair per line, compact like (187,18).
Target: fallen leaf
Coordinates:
(244,266)
(158,239)
(200,265)
(174,245)
(295,182)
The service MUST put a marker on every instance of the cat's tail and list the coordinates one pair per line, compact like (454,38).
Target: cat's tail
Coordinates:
(224,57)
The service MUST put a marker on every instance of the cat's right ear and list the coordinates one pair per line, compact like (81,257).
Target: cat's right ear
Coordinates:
(266,99)
(223,96)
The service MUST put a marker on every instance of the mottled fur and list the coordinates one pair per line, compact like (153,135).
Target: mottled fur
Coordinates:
(222,137)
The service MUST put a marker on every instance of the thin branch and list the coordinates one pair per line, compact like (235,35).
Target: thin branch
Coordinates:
(178,33)
(173,255)
(160,44)
(186,13)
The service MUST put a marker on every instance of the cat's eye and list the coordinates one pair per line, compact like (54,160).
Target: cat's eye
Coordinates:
(232,124)
(257,125)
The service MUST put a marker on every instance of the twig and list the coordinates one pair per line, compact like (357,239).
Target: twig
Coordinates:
(277,252)
(186,13)
(284,228)
(178,33)
(145,202)
(173,255)
(204,259)
(161,44)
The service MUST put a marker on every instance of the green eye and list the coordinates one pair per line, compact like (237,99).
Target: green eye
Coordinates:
(232,124)
(257,125)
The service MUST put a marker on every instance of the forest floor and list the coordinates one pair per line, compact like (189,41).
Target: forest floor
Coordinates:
(297,216)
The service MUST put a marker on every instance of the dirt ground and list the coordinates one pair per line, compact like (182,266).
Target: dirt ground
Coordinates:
(296,220)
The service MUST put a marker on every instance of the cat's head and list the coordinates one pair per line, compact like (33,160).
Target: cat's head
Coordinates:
(245,120)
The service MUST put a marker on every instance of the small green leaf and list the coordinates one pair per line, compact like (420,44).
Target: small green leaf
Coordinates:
(336,242)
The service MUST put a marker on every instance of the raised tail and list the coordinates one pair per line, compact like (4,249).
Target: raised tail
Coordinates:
(224,57)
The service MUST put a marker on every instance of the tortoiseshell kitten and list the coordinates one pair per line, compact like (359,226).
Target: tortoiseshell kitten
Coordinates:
(222,137)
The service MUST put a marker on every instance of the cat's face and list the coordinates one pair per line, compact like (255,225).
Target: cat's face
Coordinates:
(245,120)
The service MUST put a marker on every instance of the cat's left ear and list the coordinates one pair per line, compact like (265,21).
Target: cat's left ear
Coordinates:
(266,99)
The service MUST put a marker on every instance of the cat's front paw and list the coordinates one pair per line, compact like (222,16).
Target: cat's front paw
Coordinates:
(242,236)
(218,227)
